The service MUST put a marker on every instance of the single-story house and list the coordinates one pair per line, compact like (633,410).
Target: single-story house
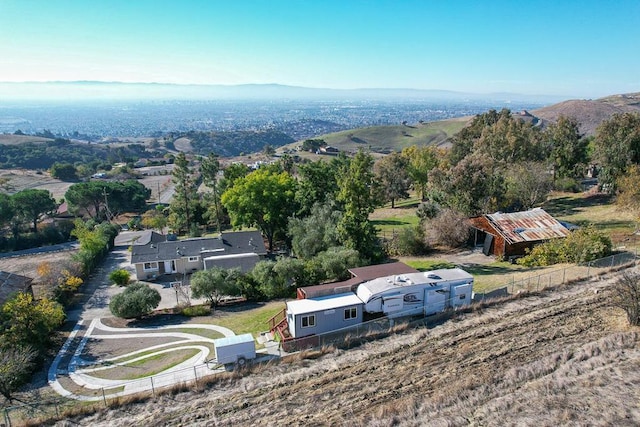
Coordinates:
(313,316)
(241,249)
(11,283)
(510,234)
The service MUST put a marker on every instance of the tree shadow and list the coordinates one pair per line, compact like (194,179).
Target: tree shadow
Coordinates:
(487,269)
(566,206)
(389,222)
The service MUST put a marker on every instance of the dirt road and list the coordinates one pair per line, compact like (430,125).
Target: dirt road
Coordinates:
(562,358)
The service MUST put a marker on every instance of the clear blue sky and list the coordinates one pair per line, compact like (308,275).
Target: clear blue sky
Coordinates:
(582,48)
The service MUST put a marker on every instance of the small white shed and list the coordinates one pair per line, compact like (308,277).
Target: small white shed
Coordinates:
(235,349)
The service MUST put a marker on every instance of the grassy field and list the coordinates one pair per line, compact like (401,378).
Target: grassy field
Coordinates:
(594,209)
(394,138)
(245,318)
(22,139)
(390,138)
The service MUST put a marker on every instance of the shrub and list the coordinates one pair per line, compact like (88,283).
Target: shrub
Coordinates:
(627,296)
(119,277)
(428,210)
(136,301)
(196,310)
(568,185)
(450,228)
(409,241)
(584,245)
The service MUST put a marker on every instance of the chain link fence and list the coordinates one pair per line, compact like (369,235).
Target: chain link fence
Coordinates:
(192,377)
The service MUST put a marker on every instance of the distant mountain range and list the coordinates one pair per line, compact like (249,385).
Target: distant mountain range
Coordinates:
(96,90)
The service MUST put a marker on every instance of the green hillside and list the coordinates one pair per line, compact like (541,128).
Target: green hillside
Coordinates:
(394,138)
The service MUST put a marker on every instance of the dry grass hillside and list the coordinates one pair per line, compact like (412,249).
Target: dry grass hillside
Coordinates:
(10,139)
(590,113)
(561,358)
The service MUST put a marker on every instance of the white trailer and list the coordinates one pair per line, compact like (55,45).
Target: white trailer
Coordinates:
(235,349)
(413,293)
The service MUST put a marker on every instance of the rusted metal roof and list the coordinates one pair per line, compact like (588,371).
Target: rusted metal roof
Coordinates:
(528,226)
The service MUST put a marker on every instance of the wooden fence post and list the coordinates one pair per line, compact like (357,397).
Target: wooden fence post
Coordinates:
(195,376)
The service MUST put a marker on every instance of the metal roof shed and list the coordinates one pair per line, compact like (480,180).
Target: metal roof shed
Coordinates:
(311,316)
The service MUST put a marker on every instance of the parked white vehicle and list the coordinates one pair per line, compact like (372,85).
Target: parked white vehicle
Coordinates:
(238,349)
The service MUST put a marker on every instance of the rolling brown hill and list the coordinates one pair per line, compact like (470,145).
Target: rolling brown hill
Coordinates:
(590,113)
(562,358)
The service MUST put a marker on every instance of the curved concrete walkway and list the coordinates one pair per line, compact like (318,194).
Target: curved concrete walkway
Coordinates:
(193,368)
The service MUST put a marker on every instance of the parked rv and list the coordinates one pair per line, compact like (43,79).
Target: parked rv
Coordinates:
(394,296)
(429,292)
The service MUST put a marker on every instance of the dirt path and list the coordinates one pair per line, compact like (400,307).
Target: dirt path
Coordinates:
(562,358)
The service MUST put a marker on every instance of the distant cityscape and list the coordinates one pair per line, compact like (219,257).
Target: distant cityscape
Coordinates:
(299,119)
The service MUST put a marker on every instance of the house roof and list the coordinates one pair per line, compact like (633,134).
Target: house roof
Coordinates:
(360,275)
(10,283)
(244,262)
(528,226)
(228,244)
(328,302)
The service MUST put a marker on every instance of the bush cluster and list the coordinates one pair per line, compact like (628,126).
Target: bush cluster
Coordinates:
(584,245)
(195,310)
(136,301)
(409,241)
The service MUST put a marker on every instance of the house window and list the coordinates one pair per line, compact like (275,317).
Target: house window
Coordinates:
(150,266)
(350,313)
(309,321)
(193,259)
(463,296)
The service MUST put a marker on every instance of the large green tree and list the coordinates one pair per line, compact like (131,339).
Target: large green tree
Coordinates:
(29,323)
(209,168)
(6,210)
(185,198)
(32,204)
(215,283)
(475,185)
(105,199)
(421,161)
(264,199)
(359,196)
(463,143)
(511,140)
(527,184)
(315,233)
(63,171)
(392,175)
(316,184)
(568,147)
(617,145)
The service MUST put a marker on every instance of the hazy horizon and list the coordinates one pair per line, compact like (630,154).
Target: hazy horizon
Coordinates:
(532,48)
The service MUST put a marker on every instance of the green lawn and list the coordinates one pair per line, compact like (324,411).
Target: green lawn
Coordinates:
(396,223)
(428,264)
(598,210)
(252,319)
